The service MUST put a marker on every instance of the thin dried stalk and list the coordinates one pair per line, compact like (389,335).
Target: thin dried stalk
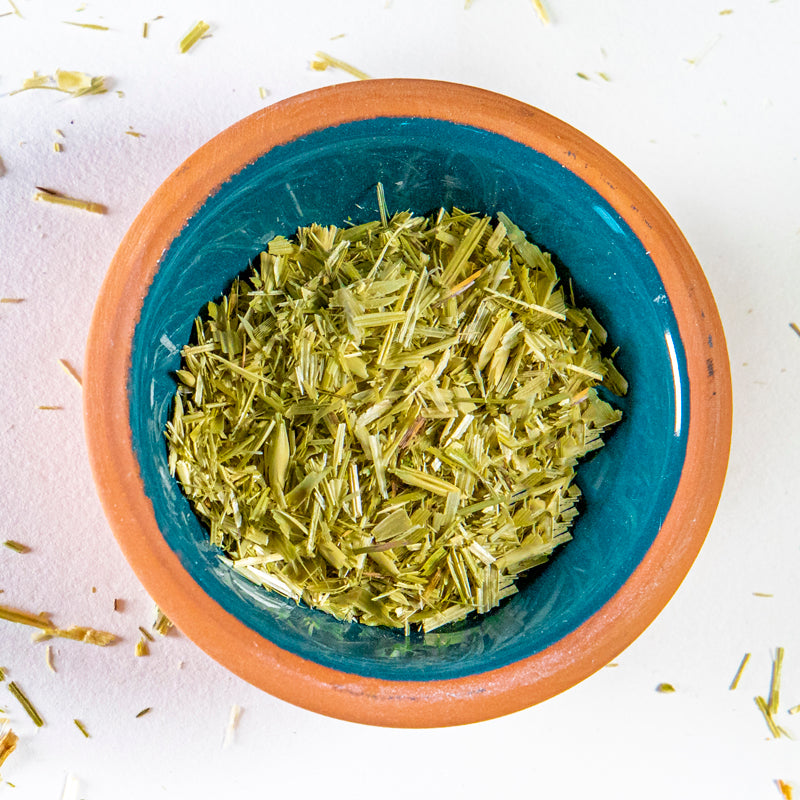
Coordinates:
(48,629)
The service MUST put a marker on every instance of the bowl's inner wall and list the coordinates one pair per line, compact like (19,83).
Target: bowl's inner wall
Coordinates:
(330,177)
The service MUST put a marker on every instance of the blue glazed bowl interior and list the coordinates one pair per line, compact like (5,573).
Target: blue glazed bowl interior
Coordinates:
(330,177)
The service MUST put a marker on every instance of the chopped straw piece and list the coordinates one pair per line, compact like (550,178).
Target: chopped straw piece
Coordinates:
(17,547)
(70,370)
(8,742)
(380,420)
(233,722)
(541,11)
(141,647)
(764,709)
(70,82)
(785,789)
(48,629)
(48,657)
(793,325)
(89,25)
(161,625)
(49,196)
(738,676)
(323,61)
(775,682)
(193,37)
(12,299)
(26,704)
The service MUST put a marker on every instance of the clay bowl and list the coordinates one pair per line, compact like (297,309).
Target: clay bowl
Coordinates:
(650,493)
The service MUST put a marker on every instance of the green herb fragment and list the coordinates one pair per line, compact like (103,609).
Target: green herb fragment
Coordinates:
(81,727)
(793,325)
(193,37)
(323,61)
(17,547)
(540,9)
(89,25)
(49,196)
(48,629)
(384,421)
(70,82)
(143,712)
(665,688)
(147,635)
(763,707)
(785,789)
(738,676)
(2,674)
(161,625)
(8,742)
(26,704)
(583,76)
(775,682)
(70,370)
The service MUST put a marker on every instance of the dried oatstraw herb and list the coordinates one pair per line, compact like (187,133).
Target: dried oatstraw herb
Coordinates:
(384,421)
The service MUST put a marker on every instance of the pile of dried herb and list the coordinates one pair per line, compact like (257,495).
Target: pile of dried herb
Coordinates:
(383,421)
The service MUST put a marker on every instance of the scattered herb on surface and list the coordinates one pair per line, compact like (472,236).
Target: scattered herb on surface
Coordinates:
(89,25)
(49,196)
(323,61)
(764,709)
(785,789)
(384,421)
(48,629)
(81,727)
(17,547)
(541,11)
(775,682)
(233,722)
(70,370)
(71,82)
(665,688)
(8,742)
(142,648)
(143,712)
(26,704)
(193,37)
(147,635)
(161,625)
(738,676)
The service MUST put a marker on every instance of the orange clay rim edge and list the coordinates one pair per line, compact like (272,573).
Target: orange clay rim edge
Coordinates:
(303,682)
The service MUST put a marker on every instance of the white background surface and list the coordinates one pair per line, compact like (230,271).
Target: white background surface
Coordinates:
(717,141)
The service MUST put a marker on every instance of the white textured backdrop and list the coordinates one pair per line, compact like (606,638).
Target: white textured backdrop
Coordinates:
(702,105)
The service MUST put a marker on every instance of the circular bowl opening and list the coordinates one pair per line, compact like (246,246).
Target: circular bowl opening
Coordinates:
(650,493)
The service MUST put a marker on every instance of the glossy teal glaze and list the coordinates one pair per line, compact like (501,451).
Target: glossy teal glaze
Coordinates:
(330,177)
